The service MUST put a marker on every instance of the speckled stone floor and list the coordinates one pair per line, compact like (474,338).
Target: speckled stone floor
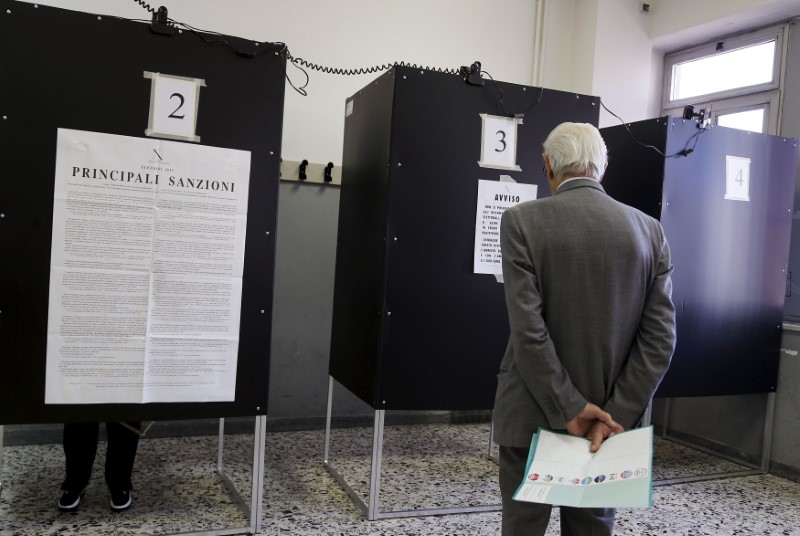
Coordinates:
(424,466)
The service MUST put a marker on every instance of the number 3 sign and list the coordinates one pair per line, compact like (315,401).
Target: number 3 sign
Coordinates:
(173,106)
(499,142)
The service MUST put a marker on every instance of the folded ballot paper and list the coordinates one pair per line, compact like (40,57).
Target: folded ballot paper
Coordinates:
(561,471)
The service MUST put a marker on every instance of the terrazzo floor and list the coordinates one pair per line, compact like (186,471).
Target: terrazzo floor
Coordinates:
(177,489)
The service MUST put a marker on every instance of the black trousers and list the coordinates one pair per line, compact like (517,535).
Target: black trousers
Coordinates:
(80,448)
(531,519)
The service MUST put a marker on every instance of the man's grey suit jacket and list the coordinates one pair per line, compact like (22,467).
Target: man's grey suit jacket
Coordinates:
(588,293)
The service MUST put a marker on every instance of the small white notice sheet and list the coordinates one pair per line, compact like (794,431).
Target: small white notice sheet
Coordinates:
(737,178)
(494,197)
(561,471)
(145,270)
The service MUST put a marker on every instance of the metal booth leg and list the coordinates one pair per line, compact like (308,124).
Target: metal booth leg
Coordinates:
(255,510)
(230,486)
(328,414)
(375,470)
(372,509)
(766,445)
(665,425)
(491,440)
(259,470)
(220,446)
(647,417)
(489,456)
(326,461)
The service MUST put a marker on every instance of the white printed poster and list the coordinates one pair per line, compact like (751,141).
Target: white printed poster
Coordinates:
(494,197)
(145,271)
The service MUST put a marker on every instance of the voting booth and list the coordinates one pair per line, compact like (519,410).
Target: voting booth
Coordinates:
(138,205)
(726,209)
(724,198)
(430,162)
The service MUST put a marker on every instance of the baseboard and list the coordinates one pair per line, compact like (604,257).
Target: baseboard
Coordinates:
(725,450)
(785,471)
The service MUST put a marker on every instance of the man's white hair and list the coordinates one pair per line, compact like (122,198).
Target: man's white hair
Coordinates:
(576,149)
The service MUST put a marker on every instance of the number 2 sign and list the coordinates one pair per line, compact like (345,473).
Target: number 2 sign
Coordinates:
(499,142)
(173,106)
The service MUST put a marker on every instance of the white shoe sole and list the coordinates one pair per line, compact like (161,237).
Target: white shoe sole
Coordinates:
(73,506)
(120,507)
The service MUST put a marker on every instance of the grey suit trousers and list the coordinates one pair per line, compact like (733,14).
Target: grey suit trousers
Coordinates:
(531,519)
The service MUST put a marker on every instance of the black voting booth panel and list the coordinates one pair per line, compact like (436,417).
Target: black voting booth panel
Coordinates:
(65,69)
(730,255)
(413,327)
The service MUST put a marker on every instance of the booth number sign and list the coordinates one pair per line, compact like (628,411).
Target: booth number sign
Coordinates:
(499,142)
(173,106)
(737,178)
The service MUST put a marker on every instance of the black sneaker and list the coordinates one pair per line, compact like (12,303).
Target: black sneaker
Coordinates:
(120,499)
(70,499)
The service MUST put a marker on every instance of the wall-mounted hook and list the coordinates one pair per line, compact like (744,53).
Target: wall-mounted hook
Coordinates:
(306,172)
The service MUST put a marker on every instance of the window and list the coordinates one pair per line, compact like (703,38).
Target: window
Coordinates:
(752,120)
(736,78)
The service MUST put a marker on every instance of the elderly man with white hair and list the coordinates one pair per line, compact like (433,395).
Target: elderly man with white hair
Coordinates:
(588,293)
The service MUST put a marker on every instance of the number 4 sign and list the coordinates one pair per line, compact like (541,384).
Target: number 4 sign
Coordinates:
(173,106)
(737,178)
(499,142)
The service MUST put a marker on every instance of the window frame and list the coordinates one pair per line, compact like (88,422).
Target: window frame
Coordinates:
(731,42)
(769,100)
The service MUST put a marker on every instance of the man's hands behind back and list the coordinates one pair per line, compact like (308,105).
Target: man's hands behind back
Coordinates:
(594,424)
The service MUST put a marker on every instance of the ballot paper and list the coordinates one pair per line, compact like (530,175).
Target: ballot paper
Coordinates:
(561,471)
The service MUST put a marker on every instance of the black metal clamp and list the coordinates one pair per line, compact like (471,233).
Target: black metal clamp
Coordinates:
(302,176)
(472,74)
(328,169)
(161,24)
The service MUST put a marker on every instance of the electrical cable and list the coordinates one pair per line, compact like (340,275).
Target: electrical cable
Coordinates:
(513,114)
(300,63)
(220,40)
(686,151)
(145,5)
(302,89)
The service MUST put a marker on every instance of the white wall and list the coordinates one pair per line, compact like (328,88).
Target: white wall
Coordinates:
(569,36)
(601,47)
(610,49)
(355,33)
(679,23)
(624,63)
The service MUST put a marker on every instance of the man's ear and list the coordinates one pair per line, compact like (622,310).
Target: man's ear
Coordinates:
(548,168)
